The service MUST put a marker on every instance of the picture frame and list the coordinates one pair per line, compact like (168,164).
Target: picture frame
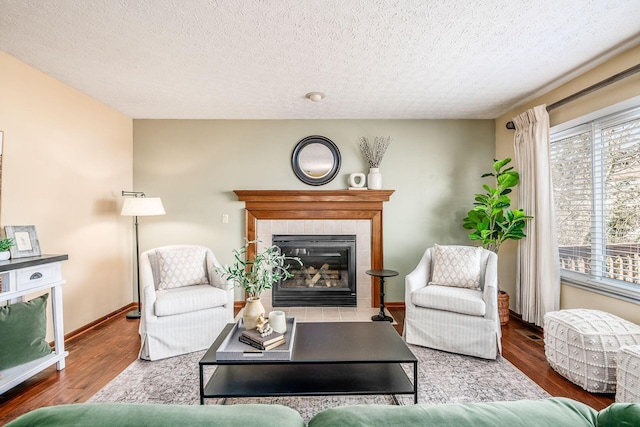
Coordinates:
(26,240)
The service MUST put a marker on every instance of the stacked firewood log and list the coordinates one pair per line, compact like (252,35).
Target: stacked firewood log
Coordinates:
(312,277)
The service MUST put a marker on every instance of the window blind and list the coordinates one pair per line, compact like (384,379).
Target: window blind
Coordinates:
(596,174)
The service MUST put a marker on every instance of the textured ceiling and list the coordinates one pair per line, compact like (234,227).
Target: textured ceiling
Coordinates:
(256,59)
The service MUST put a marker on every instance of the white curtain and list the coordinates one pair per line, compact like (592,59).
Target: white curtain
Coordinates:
(538,265)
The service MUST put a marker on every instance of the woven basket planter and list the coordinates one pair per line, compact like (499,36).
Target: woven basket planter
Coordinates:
(503,307)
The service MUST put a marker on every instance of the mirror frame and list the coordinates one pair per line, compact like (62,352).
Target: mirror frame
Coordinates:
(297,152)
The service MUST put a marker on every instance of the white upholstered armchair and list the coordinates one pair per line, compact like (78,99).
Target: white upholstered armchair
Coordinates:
(451,301)
(185,303)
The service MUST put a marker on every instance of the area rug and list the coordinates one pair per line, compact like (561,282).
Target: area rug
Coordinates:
(442,378)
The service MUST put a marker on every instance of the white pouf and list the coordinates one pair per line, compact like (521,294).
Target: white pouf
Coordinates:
(582,345)
(628,385)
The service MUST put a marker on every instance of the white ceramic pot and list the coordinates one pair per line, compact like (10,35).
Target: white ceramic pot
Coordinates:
(374,179)
(252,310)
(5,255)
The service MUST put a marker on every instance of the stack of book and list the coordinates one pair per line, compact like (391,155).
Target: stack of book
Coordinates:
(254,339)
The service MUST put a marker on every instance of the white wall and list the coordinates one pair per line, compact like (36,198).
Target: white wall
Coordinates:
(434,166)
(66,158)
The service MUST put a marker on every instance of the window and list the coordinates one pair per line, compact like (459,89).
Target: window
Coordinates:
(596,179)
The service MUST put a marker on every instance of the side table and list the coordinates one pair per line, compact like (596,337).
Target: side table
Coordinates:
(381,274)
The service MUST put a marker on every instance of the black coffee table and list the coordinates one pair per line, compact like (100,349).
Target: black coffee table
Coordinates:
(328,358)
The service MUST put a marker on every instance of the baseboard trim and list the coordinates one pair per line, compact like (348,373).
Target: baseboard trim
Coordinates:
(89,326)
(518,318)
(398,304)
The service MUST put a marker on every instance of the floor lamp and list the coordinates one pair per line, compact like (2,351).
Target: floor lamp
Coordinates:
(137,204)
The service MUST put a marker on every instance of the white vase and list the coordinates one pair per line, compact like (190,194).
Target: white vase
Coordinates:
(252,310)
(5,255)
(374,179)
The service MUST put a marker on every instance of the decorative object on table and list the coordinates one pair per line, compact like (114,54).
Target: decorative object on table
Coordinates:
(373,154)
(263,326)
(26,240)
(357,181)
(5,247)
(316,160)
(381,274)
(492,222)
(278,321)
(138,204)
(256,274)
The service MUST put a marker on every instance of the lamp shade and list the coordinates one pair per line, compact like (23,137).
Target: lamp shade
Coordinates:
(142,206)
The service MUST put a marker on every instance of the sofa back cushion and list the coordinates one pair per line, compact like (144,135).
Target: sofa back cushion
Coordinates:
(522,413)
(138,414)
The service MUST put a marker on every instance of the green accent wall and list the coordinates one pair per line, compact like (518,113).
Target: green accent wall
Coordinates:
(434,166)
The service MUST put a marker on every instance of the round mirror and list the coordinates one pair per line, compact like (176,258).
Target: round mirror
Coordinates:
(316,160)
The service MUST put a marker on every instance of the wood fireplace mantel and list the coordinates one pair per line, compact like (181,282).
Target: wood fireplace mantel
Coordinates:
(320,204)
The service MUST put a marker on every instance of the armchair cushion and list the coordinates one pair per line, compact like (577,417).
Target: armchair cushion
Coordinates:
(187,299)
(182,267)
(457,300)
(457,266)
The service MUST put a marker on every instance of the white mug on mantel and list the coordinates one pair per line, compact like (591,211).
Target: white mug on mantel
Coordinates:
(278,321)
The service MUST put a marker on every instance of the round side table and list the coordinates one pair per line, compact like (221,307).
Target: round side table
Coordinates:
(381,275)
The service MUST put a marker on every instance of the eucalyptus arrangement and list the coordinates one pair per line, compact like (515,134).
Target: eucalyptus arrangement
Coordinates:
(256,276)
(373,154)
(260,273)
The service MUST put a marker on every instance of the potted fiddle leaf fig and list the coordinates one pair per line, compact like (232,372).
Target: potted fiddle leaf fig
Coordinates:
(492,222)
(256,275)
(5,245)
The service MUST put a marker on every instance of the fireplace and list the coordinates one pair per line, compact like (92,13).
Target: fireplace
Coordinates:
(324,205)
(327,276)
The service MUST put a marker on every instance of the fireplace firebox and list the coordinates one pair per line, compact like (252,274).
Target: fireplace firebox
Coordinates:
(327,277)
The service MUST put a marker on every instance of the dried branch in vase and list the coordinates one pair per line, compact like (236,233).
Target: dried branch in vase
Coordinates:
(373,154)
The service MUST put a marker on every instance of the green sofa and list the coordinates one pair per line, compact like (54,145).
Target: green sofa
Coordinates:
(523,413)
(552,412)
(137,415)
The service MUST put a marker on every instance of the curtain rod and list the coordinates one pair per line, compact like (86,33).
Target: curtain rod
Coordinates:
(606,82)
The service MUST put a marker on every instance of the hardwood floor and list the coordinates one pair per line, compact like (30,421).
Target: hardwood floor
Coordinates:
(98,355)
